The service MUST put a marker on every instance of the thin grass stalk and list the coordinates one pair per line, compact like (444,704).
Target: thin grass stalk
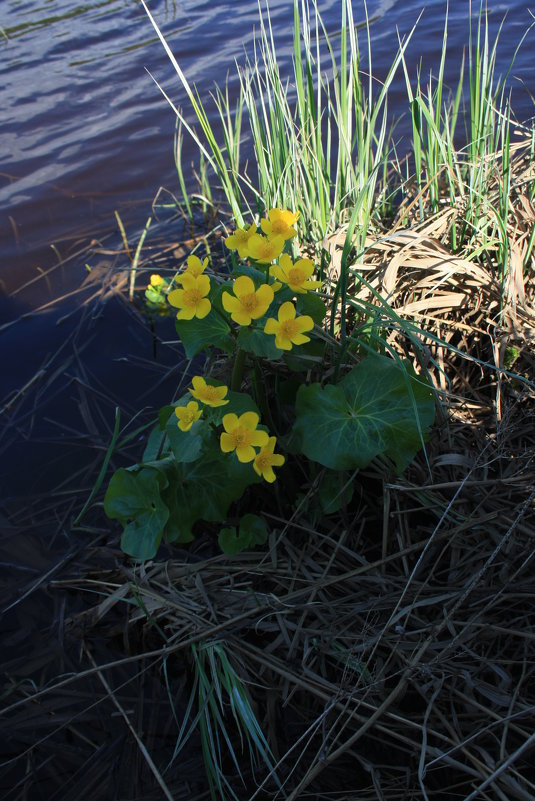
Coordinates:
(178,150)
(135,261)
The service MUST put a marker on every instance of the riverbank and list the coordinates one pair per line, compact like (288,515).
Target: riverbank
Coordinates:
(377,649)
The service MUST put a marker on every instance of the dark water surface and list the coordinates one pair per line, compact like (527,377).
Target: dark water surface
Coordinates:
(85,132)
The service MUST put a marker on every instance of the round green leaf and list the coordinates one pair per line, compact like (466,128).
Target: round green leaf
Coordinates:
(380,407)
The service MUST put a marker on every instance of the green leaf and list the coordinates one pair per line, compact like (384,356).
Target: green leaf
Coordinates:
(380,407)
(204,489)
(310,303)
(156,445)
(197,334)
(303,357)
(253,340)
(334,492)
(164,414)
(255,528)
(185,445)
(253,531)
(257,275)
(230,542)
(133,498)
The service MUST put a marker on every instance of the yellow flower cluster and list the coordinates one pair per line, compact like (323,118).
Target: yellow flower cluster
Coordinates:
(277,229)
(241,434)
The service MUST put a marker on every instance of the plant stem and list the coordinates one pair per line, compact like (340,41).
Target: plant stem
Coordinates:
(237,370)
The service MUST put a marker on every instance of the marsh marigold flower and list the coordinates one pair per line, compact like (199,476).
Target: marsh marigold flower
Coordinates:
(195,267)
(266,460)
(191,300)
(279,223)
(289,329)
(241,435)
(239,240)
(187,415)
(265,250)
(156,280)
(297,275)
(247,303)
(207,393)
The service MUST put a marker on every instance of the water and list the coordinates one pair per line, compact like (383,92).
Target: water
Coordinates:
(85,132)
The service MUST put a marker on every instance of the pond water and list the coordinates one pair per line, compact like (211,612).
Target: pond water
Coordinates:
(85,131)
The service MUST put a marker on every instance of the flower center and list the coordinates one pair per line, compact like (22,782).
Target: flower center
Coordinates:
(263,460)
(289,328)
(241,436)
(210,392)
(279,226)
(296,275)
(249,302)
(192,297)
(266,251)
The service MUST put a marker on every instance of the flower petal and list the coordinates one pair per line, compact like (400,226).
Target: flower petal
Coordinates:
(243,286)
(286,312)
(265,295)
(306,265)
(186,314)
(203,308)
(246,453)
(304,323)
(188,280)
(271,326)
(259,438)
(300,339)
(248,419)
(282,342)
(230,303)
(202,284)
(230,421)
(175,297)
(226,442)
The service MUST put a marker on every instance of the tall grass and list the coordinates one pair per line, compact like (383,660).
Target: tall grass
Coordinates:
(473,179)
(319,136)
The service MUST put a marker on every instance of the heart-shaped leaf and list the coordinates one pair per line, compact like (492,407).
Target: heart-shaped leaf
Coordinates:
(134,498)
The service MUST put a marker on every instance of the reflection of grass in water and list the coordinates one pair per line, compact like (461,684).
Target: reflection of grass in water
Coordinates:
(105,7)
(46,21)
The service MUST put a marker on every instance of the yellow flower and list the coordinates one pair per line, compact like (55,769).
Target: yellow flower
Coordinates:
(265,250)
(279,223)
(266,460)
(247,303)
(187,415)
(156,280)
(239,240)
(207,393)
(241,435)
(295,275)
(191,300)
(195,267)
(289,329)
